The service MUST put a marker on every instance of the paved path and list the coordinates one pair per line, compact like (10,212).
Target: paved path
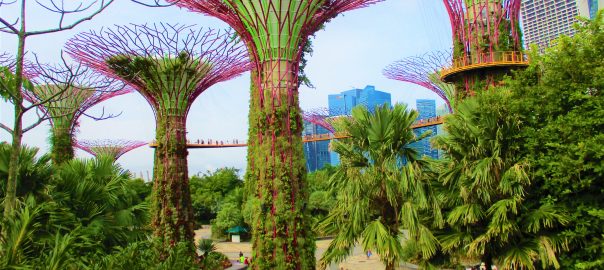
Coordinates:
(358,260)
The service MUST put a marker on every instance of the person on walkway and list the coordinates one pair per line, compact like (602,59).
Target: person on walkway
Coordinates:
(369,254)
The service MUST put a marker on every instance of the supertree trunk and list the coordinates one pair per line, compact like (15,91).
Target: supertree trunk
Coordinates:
(170,65)
(61,140)
(487,43)
(275,33)
(172,211)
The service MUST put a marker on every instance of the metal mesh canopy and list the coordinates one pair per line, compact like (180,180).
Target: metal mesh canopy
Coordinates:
(70,91)
(108,147)
(174,63)
(276,29)
(424,71)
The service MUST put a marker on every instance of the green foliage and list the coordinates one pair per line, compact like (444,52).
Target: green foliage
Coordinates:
(95,195)
(322,199)
(145,255)
(559,101)
(8,81)
(34,172)
(210,190)
(381,188)
(229,216)
(485,184)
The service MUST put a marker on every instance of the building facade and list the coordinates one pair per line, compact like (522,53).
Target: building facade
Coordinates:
(426,109)
(342,103)
(544,20)
(316,153)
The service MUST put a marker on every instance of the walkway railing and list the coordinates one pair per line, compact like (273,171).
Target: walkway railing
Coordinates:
(489,59)
(210,143)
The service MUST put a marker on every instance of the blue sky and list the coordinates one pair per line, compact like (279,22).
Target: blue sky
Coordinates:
(350,52)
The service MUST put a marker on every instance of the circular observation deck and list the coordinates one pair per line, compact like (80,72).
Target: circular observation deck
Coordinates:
(484,61)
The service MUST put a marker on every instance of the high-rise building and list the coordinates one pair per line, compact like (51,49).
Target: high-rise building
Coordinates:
(316,153)
(545,20)
(426,109)
(342,104)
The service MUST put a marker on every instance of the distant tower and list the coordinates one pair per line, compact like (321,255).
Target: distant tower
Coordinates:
(544,21)
(487,43)
(342,103)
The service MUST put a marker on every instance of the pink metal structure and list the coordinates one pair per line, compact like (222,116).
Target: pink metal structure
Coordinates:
(486,41)
(112,148)
(275,32)
(170,65)
(424,71)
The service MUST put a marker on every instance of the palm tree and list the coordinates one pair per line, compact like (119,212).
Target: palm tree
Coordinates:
(485,181)
(380,186)
(34,172)
(96,193)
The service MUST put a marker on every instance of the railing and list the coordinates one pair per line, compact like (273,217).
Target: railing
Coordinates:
(469,62)
(210,143)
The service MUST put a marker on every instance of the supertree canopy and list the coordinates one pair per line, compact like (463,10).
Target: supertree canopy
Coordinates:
(425,71)
(64,94)
(170,65)
(275,32)
(111,148)
(487,43)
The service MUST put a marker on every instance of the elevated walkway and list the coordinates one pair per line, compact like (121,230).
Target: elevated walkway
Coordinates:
(309,138)
(483,61)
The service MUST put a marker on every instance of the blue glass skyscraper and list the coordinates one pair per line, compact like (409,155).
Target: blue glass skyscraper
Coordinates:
(426,109)
(342,104)
(316,153)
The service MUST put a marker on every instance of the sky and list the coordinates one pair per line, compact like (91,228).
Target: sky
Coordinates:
(350,52)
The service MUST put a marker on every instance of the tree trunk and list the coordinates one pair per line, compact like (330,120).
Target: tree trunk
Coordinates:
(390,265)
(172,210)
(282,238)
(10,200)
(61,140)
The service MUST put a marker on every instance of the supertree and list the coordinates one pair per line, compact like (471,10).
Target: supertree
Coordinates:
(112,148)
(425,71)
(64,94)
(275,32)
(487,43)
(170,65)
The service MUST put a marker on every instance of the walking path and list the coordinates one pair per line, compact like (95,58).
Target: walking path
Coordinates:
(358,260)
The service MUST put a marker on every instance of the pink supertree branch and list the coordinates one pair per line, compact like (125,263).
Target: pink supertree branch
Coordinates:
(110,147)
(319,117)
(225,56)
(424,71)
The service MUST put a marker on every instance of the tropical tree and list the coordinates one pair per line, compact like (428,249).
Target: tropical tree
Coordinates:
(382,193)
(485,185)
(560,103)
(34,172)
(97,195)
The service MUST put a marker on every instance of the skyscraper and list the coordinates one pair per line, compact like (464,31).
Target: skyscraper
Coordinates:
(545,20)
(316,153)
(426,109)
(342,104)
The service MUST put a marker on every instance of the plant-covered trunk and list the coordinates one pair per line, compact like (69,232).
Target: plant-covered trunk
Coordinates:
(282,238)
(61,139)
(172,211)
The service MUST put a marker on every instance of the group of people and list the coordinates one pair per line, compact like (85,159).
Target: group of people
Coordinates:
(216,142)
(243,259)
